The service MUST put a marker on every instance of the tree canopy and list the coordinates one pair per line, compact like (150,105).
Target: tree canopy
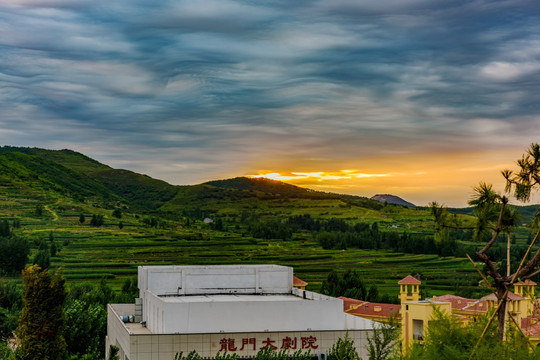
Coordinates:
(42,319)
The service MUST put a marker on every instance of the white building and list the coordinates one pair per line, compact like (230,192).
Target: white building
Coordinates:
(235,308)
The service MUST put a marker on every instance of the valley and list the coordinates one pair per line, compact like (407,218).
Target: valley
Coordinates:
(212,223)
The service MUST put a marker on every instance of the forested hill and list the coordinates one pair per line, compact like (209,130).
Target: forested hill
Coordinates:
(267,188)
(71,174)
(75,175)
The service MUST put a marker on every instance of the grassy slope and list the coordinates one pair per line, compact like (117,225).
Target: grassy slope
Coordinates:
(138,190)
(48,177)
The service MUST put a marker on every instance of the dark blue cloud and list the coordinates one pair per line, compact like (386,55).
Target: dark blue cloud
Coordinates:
(190,90)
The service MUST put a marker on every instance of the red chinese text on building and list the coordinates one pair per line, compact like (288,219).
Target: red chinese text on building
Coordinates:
(269,343)
(227,344)
(288,343)
(248,341)
(309,342)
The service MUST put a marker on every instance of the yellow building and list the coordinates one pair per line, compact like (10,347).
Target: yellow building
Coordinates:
(416,314)
(299,283)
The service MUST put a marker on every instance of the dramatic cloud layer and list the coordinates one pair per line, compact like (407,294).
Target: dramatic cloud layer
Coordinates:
(437,95)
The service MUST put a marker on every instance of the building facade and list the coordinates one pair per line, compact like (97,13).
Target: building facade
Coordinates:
(236,308)
(415,315)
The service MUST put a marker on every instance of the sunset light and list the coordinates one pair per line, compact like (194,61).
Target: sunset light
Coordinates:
(346,100)
(319,175)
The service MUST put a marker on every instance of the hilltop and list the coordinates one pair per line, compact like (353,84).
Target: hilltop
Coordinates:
(72,174)
(391,199)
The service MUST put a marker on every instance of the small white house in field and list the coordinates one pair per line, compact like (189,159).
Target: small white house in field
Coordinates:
(227,308)
(208,220)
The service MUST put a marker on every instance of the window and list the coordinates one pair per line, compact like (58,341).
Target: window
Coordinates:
(418,330)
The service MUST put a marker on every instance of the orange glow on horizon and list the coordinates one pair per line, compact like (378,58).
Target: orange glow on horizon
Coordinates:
(419,178)
(318,175)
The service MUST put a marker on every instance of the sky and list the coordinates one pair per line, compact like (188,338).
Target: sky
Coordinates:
(418,98)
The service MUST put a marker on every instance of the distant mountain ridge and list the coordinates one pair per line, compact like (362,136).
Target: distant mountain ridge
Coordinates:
(391,199)
(69,174)
(260,184)
(278,188)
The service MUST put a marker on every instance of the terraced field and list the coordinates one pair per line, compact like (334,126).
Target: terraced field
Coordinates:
(91,253)
(29,183)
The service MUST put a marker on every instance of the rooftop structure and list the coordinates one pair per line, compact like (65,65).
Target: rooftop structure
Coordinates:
(380,312)
(299,283)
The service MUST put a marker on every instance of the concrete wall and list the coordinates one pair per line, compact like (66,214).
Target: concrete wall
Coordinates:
(117,333)
(229,313)
(218,279)
(164,347)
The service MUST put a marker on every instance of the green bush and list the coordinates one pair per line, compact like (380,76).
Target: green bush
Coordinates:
(448,339)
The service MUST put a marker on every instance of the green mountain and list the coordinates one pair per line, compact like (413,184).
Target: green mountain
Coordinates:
(254,221)
(67,173)
(268,186)
(273,189)
(92,177)
(37,174)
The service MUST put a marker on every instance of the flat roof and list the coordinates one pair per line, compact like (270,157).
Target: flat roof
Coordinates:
(229,298)
(137,329)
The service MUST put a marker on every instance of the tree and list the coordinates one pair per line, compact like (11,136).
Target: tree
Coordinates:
(42,319)
(38,210)
(54,249)
(13,254)
(349,285)
(448,338)
(527,179)
(97,220)
(113,353)
(343,349)
(373,294)
(4,228)
(86,328)
(384,341)
(10,306)
(494,217)
(43,256)
(117,213)
(82,219)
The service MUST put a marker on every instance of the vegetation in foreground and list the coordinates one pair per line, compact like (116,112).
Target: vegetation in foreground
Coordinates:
(448,339)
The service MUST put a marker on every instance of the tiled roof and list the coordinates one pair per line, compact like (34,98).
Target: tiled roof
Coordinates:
(369,309)
(527,282)
(463,304)
(298,282)
(409,280)
(530,326)
(511,296)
